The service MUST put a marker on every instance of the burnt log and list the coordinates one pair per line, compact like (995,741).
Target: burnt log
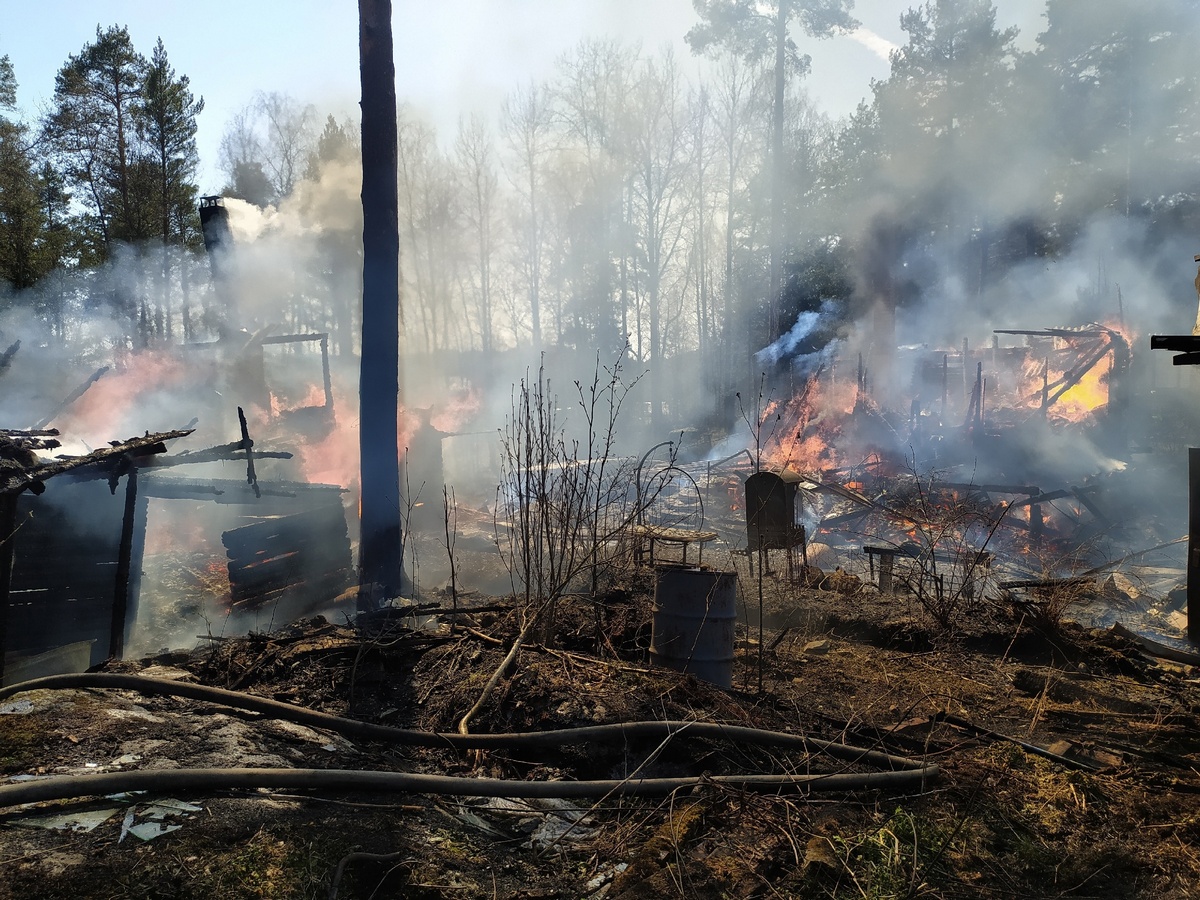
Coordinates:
(325,586)
(305,553)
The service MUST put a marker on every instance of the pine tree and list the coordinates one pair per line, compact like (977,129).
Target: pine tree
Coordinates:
(759,31)
(92,129)
(166,118)
(22,257)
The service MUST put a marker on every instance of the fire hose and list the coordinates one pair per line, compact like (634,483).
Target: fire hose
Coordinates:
(900,772)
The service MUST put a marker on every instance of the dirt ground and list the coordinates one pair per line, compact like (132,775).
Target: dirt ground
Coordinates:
(1069,760)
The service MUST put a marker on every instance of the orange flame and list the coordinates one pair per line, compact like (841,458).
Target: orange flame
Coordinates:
(803,433)
(1091,392)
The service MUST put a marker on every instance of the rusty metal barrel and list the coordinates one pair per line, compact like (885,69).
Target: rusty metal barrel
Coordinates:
(694,613)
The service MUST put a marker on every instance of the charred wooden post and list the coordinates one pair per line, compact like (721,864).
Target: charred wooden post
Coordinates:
(1188,346)
(123,598)
(975,407)
(965,350)
(8,525)
(322,337)
(860,385)
(979,394)
(248,446)
(945,383)
(326,380)
(887,563)
(1045,386)
(1193,560)
(1037,524)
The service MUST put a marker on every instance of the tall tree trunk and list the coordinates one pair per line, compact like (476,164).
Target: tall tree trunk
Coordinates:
(535,260)
(733,328)
(777,171)
(381,552)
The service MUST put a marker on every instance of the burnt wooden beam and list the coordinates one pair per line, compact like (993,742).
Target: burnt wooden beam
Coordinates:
(1045,583)
(256,532)
(1073,377)
(180,490)
(1186,344)
(1028,490)
(296,558)
(17,481)
(32,440)
(218,453)
(295,338)
(330,584)
(6,357)
(1043,498)
(1054,332)
(1180,343)
(73,396)
(227,490)
(1081,494)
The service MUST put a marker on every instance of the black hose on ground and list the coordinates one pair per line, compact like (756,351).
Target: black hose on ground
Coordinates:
(904,773)
(619,731)
(204,780)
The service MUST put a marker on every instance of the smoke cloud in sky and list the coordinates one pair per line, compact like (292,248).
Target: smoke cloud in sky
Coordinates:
(878,45)
(806,323)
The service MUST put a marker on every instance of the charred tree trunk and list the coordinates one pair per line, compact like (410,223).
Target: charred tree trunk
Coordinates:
(381,553)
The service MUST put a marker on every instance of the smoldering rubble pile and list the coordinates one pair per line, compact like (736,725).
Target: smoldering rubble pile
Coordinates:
(1033,756)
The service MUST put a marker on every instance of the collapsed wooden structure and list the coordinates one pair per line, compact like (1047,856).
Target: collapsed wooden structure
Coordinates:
(70,570)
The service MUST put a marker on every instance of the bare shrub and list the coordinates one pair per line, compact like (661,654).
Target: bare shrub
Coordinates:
(947,560)
(564,500)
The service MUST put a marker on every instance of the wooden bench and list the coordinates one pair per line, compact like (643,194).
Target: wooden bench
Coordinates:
(650,534)
(961,566)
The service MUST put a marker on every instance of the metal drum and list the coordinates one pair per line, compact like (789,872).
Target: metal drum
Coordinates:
(694,613)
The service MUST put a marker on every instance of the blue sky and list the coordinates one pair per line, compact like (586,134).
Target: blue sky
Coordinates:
(452,56)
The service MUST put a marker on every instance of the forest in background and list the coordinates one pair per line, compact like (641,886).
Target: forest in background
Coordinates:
(702,220)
